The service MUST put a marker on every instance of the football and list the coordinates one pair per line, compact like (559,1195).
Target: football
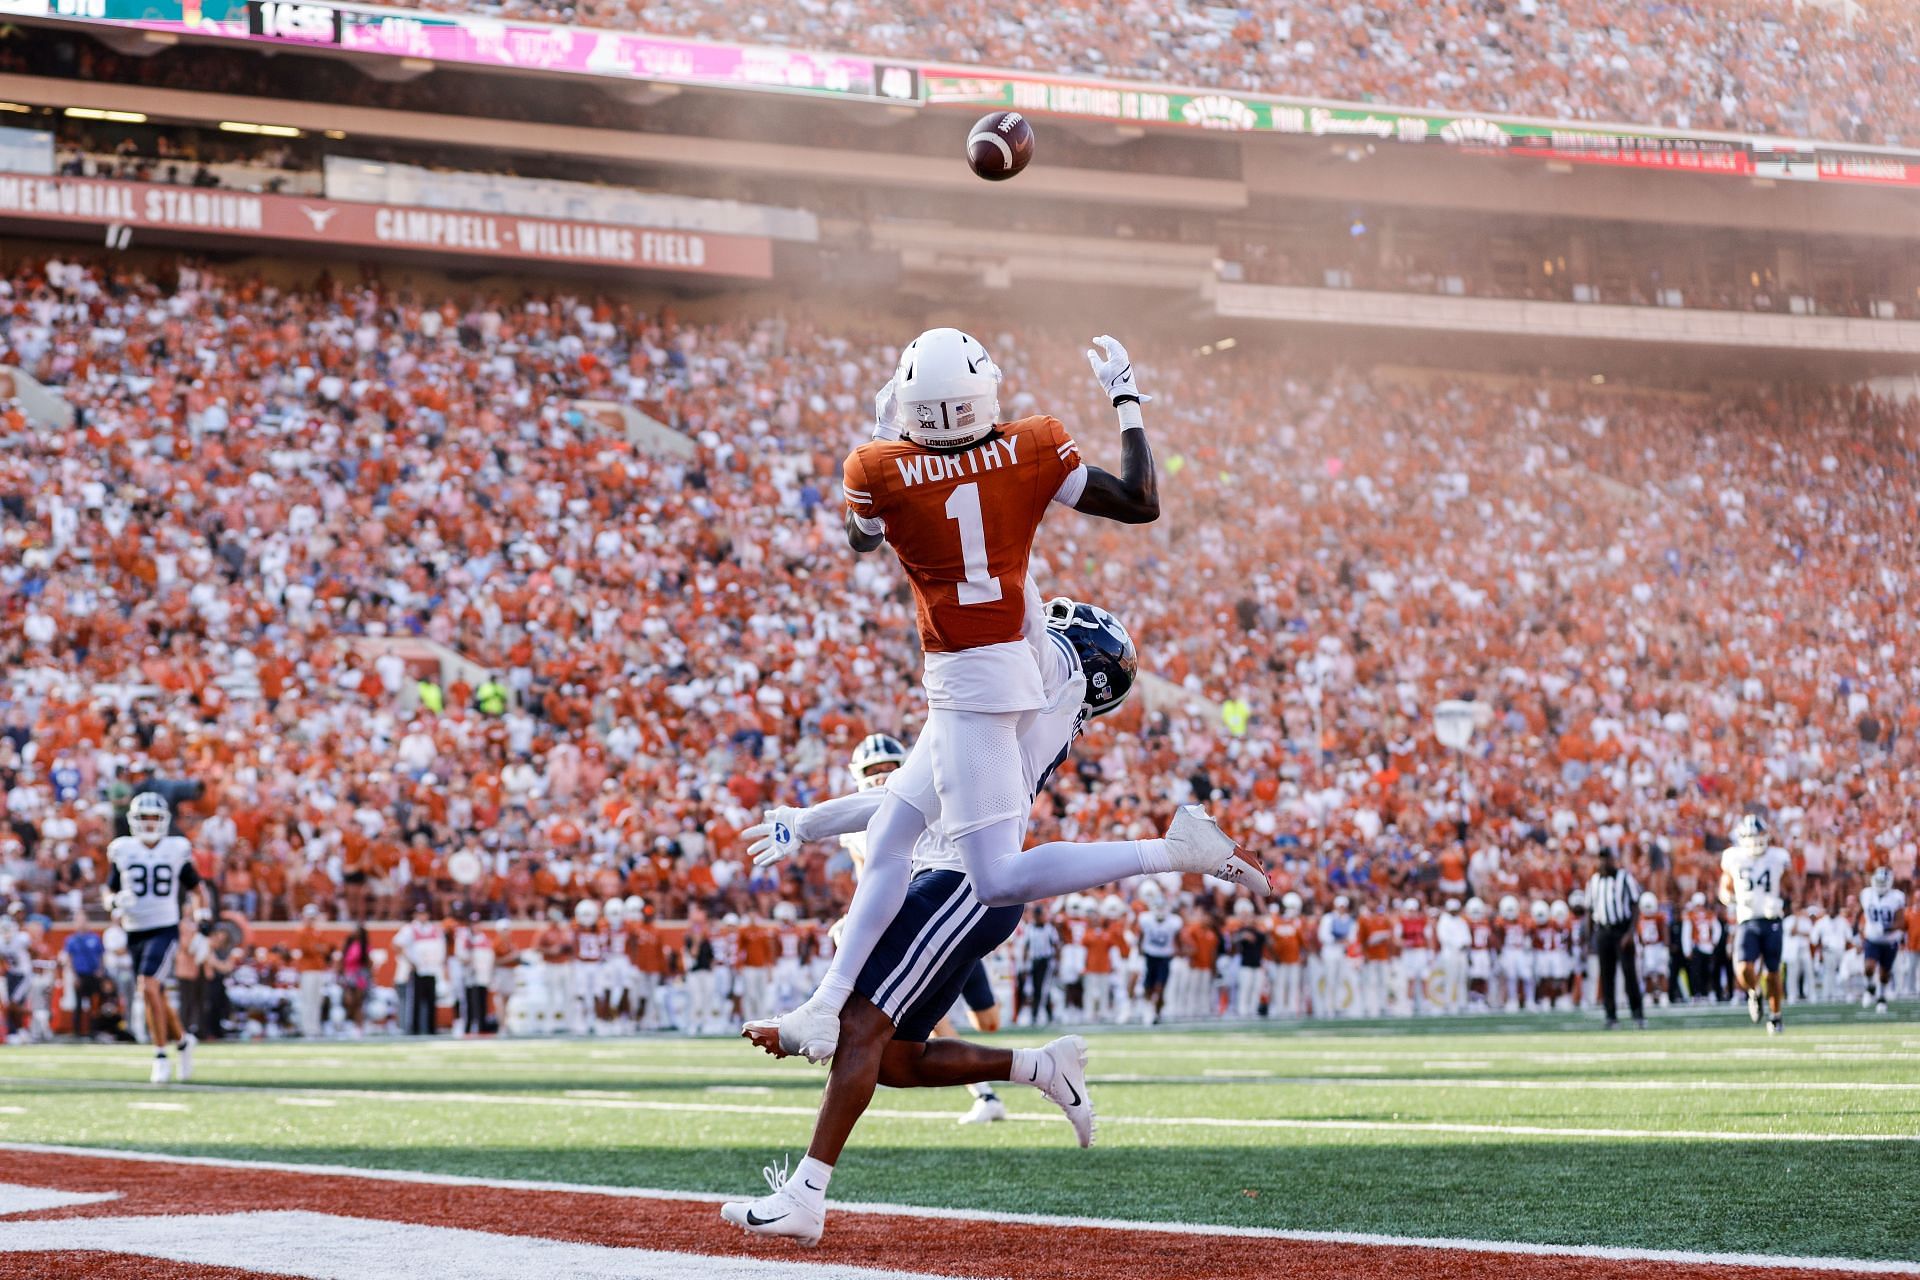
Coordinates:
(1000,145)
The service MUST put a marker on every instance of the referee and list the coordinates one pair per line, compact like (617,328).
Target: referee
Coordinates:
(1612,895)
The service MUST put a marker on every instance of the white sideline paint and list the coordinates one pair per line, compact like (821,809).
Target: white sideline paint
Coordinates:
(323,1246)
(592,1099)
(413,1177)
(15,1198)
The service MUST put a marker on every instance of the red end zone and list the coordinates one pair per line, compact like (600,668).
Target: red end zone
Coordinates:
(519,1219)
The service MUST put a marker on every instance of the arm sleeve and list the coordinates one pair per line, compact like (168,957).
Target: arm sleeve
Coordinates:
(113,876)
(842,815)
(1066,474)
(857,489)
(189,875)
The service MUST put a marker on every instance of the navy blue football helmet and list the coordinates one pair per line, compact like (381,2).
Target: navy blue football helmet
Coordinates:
(1105,650)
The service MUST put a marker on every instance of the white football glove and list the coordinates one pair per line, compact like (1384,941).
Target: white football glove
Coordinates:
(776,837)
(1115,372)
(886,411)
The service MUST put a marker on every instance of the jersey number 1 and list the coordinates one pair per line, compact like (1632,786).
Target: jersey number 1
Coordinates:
(981,587)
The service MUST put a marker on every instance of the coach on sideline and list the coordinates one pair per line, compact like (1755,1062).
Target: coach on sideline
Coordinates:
(1612,896)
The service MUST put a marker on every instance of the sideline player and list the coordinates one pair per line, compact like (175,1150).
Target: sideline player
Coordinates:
(922,961)
(1753,881)
(150,872)
(1650,936)
(1881,926)
(959,496)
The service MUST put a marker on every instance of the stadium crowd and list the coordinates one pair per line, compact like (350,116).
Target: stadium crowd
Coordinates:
(1666,608)
(1831,71)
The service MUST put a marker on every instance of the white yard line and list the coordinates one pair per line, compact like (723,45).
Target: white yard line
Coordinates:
(601,1100)
(410,1177)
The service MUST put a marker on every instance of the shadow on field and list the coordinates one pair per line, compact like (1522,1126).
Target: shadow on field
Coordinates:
(1813,1199)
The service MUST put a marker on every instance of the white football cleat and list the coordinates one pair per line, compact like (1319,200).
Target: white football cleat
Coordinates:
(810,1031)
(985,1111)
(1195,843)
(186,1057)
(1753,1004)
(162,1069)
(1068,1090)
(780,1213)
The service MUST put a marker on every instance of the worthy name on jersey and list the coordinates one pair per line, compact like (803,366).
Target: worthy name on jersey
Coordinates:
(925,468)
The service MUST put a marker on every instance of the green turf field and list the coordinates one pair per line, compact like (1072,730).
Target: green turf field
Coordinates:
(1676,1137)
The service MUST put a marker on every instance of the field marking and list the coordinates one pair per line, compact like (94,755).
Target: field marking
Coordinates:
(1508,1247)
(324,1246)
(293,1101)
(607,1100)
(158,1106)
(16,1198)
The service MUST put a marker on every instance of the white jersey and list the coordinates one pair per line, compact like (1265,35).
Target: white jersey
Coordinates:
(153,874)
(1045,739)
(1759,881)
(1157,935)
(1880,914)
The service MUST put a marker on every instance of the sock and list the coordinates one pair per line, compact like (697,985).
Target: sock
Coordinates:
(1001,871)
(983,1091)
(1153,856)
(161,1053)
(1034,1067)
(809,1182)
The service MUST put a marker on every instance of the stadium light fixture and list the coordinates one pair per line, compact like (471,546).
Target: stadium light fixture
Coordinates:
(1226,344)
(268,130)
(20,107)
(115,117)
(1598,379)
(337,134)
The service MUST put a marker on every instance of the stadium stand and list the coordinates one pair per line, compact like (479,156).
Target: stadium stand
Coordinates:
(1844,71)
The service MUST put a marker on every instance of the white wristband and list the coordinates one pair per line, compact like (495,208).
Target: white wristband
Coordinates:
(1129,414)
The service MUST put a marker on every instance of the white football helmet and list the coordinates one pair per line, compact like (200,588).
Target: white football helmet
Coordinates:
(1883,878)
(1476,909)
(949,389)
(1648,903)
(1411,904)
(1561,912)
(1750,832)
(1291,904)
(1539,912)
(877,756)
(1152,894)
(149,817)
(1509,908)
(1453,906)
(1113,907)
(1243,909)
(613,911)
(586,913)
(785,912)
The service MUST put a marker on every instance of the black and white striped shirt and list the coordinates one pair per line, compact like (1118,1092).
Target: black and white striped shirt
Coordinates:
(1613,899)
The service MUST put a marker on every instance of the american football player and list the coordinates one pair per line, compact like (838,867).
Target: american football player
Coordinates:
(1338,933)
(1516,955)
(1650,937)
(959,496)
(1479,955)
(1753,881)
(1882,927)
(1286,953)
(1159,939)
(921,963)
(149,873)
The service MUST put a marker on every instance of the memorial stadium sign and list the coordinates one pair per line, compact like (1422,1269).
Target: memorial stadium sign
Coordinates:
(342,224)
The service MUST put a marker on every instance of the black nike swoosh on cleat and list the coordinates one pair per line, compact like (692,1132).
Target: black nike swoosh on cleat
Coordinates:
(765,1222)
(1073,1091)
(809,1186)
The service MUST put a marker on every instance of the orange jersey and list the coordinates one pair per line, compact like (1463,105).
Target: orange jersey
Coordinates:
(1514,936)
(1285,938)
(644,948)
(1649,930)
(962,523)
(1103,943)
(1482,939)
(757,946)
(591,946)
(793,941)
(554,944)
(1202,945)
(1376,937)
(1551,937)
